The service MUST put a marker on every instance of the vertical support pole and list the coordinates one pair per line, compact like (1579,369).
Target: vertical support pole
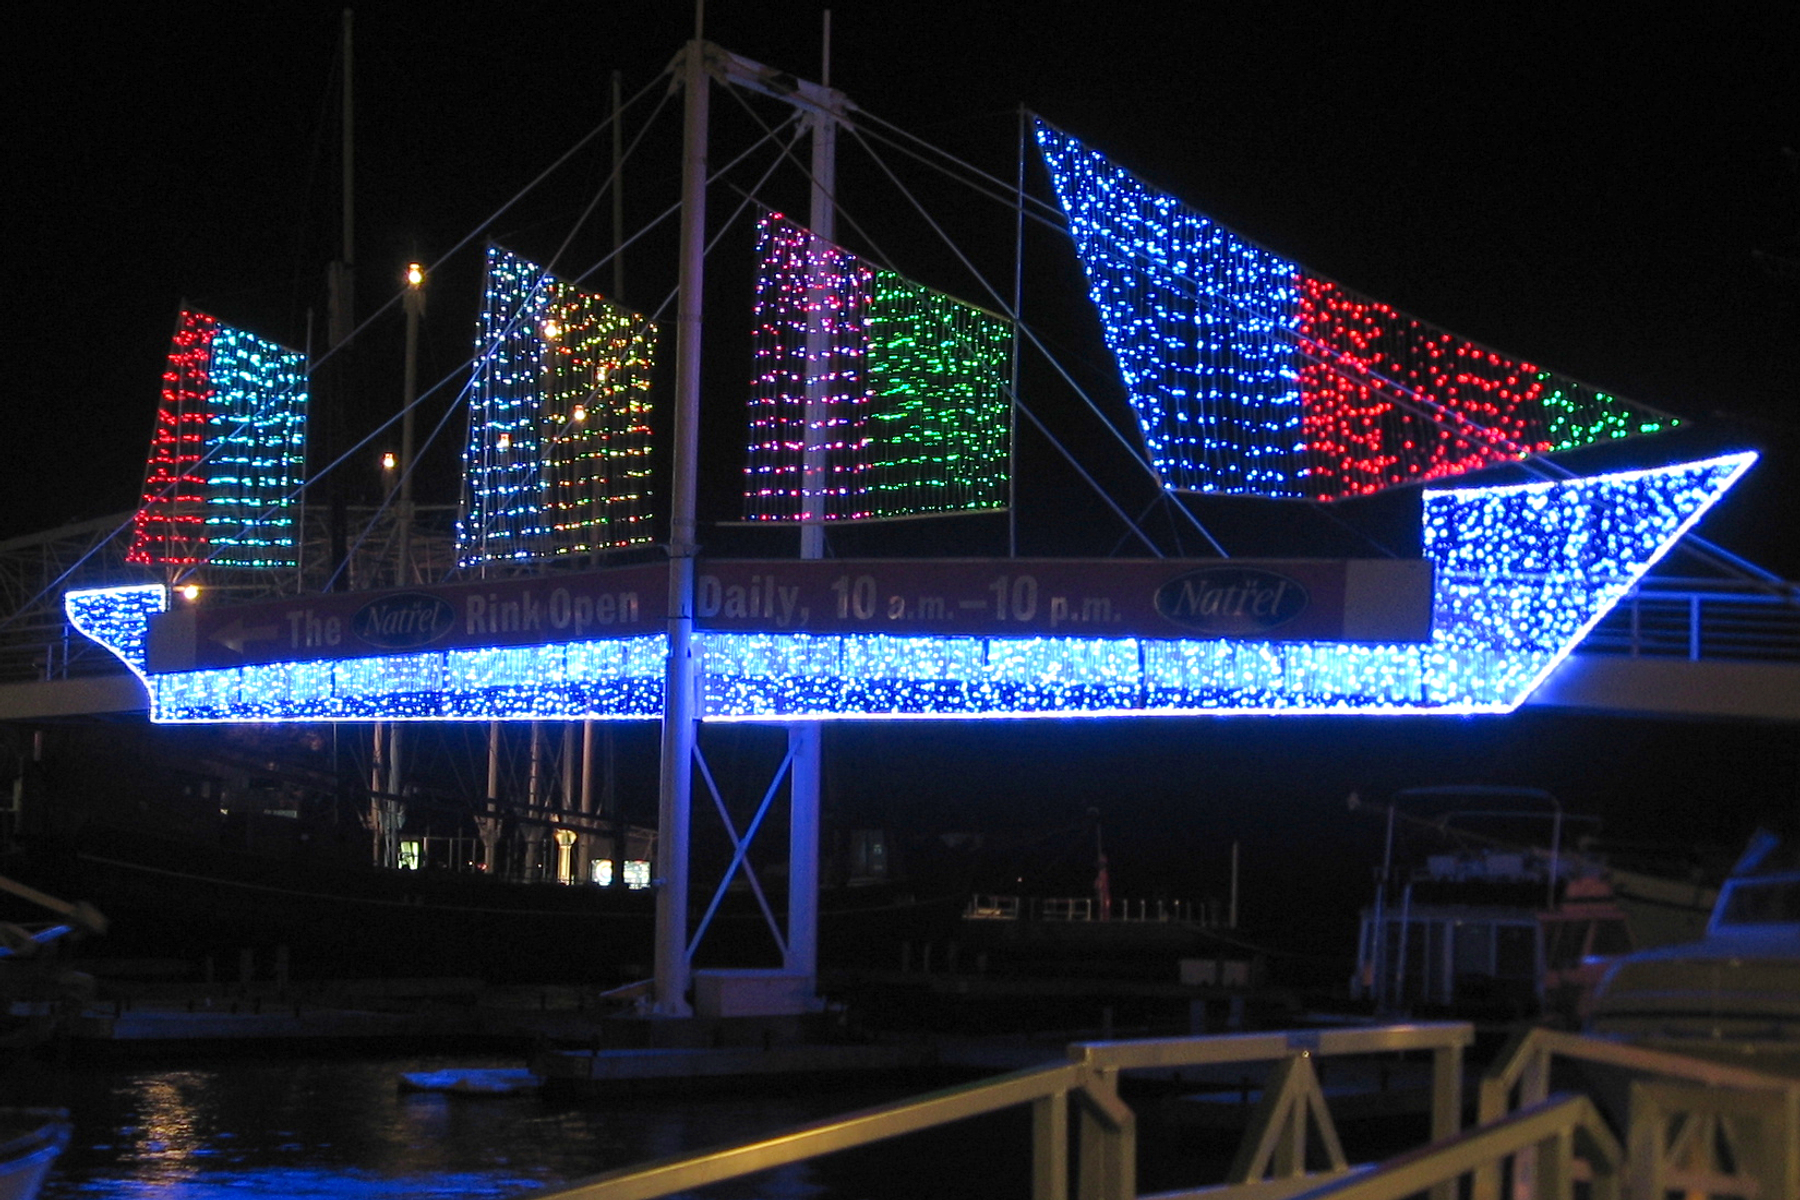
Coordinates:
(395,748)
(802,953)
(587,766)
(534,781)
(1091,1164)
(804,738)
(1555,1160)
(490,824)
(1231,919)
(1107,1169)
(1012,381)
(1446,1105)
(1534,1088)
(377,783)
(676,787)
(1050,1147)
(567,800)
(414,304)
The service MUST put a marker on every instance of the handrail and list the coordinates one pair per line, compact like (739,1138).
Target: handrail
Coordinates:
(1565,1125)
(1688,619)
(1446,1040)
(1525,1064)
(1523,1051)
(1107,1144)
(1145,1053)
(682,1171)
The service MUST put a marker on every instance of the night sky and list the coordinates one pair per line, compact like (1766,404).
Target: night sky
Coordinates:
(1587,191)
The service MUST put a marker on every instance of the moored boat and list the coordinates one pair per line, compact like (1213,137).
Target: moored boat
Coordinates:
(30,1140)
(1733,994)
(1490,928)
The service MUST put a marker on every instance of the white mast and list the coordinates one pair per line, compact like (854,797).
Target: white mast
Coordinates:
(824,108)
(804,737)
(675,794)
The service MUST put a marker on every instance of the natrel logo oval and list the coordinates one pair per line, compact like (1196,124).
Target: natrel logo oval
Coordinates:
(403,622)
(1231,601)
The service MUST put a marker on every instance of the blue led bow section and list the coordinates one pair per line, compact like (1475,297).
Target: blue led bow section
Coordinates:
(1522,574)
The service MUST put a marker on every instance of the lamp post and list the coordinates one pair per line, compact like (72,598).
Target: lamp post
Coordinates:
(414,304)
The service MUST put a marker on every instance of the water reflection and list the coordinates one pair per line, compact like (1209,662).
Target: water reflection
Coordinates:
(333,1127)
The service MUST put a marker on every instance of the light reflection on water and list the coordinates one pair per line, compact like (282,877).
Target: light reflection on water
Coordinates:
(337,1127)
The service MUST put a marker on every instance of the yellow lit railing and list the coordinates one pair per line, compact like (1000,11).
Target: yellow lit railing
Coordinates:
(1104,1150)
(1694,1126)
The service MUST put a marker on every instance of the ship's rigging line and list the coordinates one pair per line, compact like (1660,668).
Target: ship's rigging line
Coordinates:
(1125,251)
(1421,405)
(651,319)
(391,301)
(1019,403)
(462,366)
(747,200)
(989,186)
(1014,200)
(1007,311)
(609,182)
(1004,309)
(1693,543)
(462,393)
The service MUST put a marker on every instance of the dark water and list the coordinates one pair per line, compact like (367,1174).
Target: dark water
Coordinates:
(316,1127)
(337,1127)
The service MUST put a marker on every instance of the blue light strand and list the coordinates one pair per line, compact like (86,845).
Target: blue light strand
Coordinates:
(1199,321)
(1522,573)
(1249,374)
(557,459)
(256,435)
(119,619)
(503,488)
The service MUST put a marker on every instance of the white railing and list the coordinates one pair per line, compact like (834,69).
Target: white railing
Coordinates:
(1079,909)
(1103,1152)
(1696,619)
(1693,1126)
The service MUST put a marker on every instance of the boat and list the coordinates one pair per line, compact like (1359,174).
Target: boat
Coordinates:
(231,863)
(37,992)
(1502,928)
(30,1140)
(38,988)
(547,617)
(472,1081)
(1733,994)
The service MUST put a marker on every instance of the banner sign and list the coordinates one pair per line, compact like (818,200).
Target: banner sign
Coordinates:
(1373,600)
(623,602)
(1289,600)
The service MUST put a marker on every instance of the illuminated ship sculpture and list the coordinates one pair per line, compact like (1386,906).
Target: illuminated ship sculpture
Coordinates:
(875,398)
(1248,375)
